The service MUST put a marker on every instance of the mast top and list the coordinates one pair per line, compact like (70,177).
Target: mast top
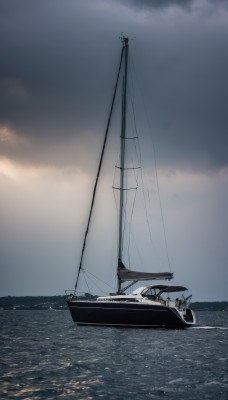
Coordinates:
(124,39)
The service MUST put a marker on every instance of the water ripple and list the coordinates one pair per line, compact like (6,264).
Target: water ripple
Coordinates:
(45,356)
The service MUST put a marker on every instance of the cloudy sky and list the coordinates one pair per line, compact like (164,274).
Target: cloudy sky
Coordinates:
(57,71)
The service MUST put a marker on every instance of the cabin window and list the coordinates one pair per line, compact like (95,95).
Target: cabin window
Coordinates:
(151,293)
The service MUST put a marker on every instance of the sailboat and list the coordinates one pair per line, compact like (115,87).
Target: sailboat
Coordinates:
(148,306)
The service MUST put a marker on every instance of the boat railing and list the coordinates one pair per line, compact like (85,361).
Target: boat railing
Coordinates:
(70,294)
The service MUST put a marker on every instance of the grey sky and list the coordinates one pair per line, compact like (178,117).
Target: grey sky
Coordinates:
(57,71)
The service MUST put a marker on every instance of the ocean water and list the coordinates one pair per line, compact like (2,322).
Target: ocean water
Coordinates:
(44,355)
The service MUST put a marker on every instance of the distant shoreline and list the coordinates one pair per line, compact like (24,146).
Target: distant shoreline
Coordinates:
(58,303)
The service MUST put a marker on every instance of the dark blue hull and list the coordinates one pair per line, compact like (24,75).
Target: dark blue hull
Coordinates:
(128,314)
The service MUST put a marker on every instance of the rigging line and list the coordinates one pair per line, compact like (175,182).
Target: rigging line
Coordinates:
(144,193)
(134,119)
(139,158)
(130,225)
(131,113)
(163,223)
(143,188)
(125,217)
(147,214)
(99,168)
(156,177)
(115,200)
(126,221)
(98,287)
(99,279)
(132,96)
(86,282)
(159,194)
(138,252)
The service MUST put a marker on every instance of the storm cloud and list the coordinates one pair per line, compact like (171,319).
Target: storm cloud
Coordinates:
(58,68)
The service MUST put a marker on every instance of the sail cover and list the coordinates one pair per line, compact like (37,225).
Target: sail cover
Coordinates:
(125,274)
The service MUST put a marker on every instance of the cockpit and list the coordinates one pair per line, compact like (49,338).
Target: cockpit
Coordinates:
(162,293)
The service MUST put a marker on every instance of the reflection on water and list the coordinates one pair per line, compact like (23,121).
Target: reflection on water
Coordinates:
(45,356)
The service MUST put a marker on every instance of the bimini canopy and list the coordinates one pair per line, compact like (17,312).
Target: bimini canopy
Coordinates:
(125,274)
(166,288)
(170,289)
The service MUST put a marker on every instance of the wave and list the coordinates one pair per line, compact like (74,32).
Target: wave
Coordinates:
(210,327)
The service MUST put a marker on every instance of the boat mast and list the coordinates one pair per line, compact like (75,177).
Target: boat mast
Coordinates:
(99,170)
(122,155)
